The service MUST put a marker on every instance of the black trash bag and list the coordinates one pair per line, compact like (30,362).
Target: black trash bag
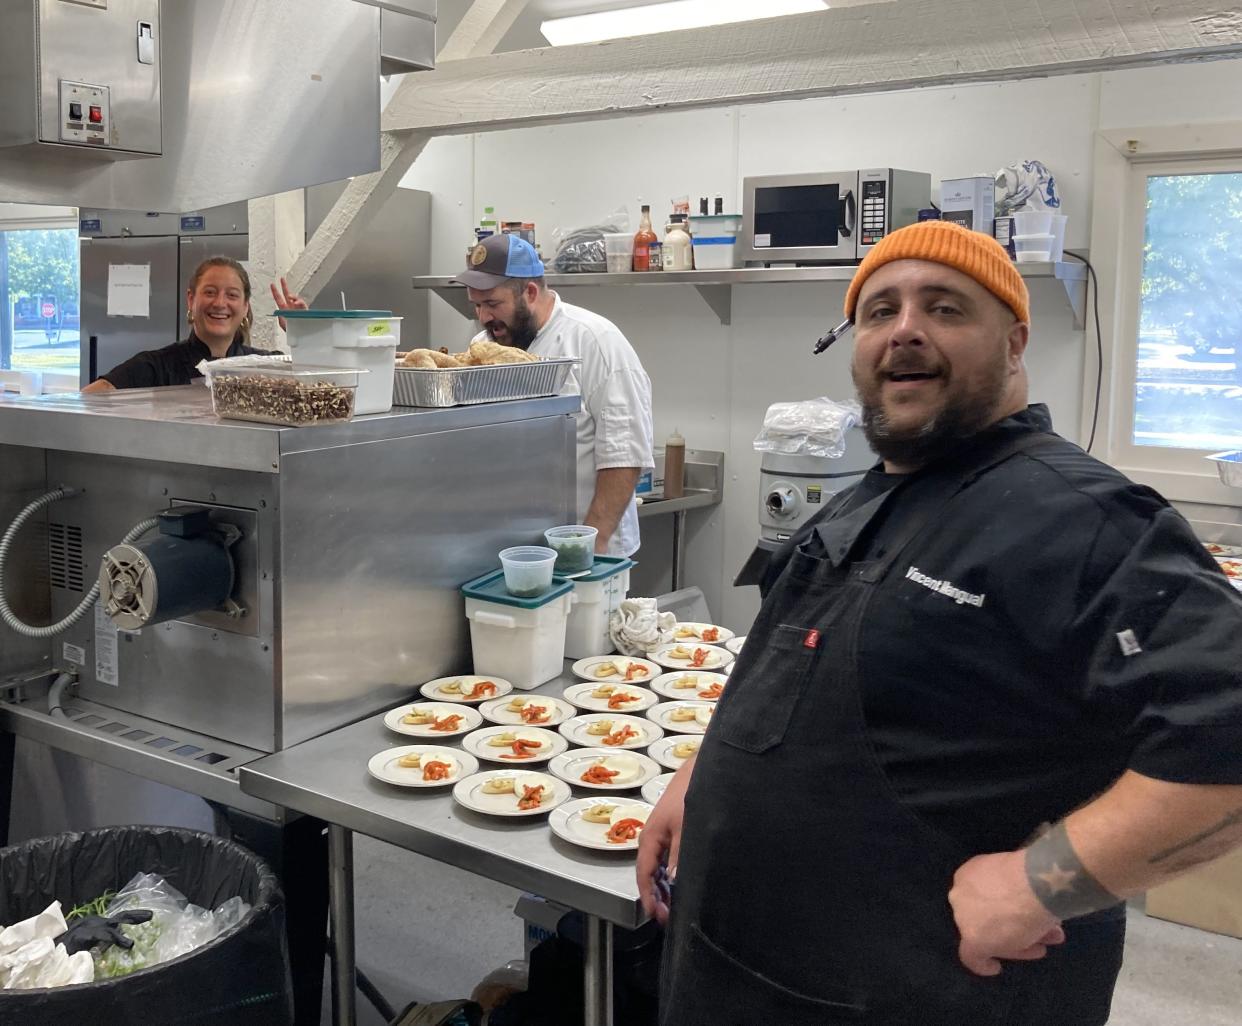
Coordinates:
(240,978)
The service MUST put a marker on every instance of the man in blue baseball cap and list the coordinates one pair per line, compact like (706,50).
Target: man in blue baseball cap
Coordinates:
(505,283)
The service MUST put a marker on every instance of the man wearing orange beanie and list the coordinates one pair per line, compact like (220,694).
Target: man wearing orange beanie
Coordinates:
(994,689)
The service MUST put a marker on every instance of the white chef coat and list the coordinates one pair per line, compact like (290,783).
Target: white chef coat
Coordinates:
(614,423)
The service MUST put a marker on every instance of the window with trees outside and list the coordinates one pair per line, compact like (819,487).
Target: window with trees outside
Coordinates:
(39,293)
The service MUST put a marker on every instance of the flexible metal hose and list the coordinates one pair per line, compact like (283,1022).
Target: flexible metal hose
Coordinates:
(6,613)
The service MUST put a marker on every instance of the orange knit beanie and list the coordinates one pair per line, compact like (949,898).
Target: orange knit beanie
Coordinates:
(943,242)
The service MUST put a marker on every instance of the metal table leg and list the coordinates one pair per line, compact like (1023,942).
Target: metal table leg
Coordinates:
(597,967)
(341,910)
(679,549)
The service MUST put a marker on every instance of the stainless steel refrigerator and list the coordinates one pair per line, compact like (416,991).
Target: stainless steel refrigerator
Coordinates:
(136,266)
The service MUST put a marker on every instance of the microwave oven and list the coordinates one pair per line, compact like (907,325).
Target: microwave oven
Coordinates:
(833,217)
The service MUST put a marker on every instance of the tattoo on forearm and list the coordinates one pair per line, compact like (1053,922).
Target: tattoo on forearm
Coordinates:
(1059,879)
(1233,819)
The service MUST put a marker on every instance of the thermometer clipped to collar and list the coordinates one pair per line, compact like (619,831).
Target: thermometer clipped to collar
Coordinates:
(833,336)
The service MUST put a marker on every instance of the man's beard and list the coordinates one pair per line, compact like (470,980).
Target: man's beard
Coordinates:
(961,418)
(523,330)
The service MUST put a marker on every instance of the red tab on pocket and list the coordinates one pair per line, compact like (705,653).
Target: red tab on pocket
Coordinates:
(811,640)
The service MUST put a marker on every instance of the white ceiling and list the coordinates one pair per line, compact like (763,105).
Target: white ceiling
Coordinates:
(525,34)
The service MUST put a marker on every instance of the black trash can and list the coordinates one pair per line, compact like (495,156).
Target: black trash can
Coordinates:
(240,978)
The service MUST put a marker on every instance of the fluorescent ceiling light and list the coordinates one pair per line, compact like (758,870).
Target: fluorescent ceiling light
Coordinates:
(667,17)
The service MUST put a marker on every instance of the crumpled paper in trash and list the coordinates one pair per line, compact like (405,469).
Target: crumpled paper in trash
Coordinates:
(30,957)
(1026,186)
(637,626)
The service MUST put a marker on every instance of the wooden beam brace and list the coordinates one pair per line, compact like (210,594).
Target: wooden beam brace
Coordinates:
(877,47)
(479,31)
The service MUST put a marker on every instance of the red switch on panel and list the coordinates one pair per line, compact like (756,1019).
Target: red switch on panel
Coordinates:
(96,115)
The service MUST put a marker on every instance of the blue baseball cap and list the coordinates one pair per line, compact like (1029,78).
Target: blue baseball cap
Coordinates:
(499,257)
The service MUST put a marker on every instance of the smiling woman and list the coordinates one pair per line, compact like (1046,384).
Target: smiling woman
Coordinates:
(218,309)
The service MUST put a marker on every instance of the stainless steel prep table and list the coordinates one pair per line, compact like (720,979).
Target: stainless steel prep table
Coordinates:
(327,778)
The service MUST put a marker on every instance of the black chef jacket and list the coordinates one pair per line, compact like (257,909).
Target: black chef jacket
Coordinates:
(173,365)
(1059,625)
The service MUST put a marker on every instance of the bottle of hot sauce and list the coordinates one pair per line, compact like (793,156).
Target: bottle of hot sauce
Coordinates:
(642,241)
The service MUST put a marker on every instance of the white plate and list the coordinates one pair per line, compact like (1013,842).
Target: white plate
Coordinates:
(580,695)
(1231,565)
(476,743)
(567,822)
(662,750)
(1217,549)
(570,767)
(575,731)
(722,637)
(431,689)
(470,719)
(383,766)
(728,670)
(665,684)
(586,669)
(497,711)
(653,790)
(734,645)
(660,714)
(716,657)
(468,792)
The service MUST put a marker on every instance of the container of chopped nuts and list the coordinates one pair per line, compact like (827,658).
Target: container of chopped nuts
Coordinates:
(281,394)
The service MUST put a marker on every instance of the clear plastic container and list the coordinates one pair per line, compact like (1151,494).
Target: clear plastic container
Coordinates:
(1033,248)
(574,545)
(619,251)
(1032,222)
(284,395)
(528,569)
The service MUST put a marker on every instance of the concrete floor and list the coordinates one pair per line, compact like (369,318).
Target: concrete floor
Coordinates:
(430,932)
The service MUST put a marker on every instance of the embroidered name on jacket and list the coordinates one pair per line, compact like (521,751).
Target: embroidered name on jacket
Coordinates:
(946,588)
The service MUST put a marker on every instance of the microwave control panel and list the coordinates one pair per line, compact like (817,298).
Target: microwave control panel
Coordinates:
(874,211)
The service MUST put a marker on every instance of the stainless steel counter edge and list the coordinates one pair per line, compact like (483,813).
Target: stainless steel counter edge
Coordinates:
(124,422)
(469,857)
(109,750)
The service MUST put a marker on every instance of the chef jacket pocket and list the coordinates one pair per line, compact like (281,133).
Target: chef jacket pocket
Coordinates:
(759,702)
(727,992)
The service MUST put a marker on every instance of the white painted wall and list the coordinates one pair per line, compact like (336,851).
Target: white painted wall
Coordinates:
(714,382)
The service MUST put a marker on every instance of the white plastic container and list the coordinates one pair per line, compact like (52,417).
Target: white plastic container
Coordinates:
(715,254)
(365,339)
(595,598)
(521,640)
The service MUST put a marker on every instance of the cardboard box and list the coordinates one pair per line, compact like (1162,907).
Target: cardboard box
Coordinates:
(540,917)
(1209,898)
(970,202)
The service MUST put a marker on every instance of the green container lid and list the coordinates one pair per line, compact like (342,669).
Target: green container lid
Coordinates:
(603,568)
(332,315)
(491,588)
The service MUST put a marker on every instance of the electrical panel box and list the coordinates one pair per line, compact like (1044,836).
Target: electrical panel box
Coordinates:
(81,75)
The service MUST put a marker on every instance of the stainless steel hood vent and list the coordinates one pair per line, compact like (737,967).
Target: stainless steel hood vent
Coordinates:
(257,97)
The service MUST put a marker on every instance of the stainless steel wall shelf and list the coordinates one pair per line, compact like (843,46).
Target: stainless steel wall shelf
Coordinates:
(716,287)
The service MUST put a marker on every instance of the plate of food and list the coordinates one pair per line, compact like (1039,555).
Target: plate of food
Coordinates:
(432,719)
(511,792)
(1232,567)
(1218,549)
(514,744)
(682,717)
(527,710)
(469,689)
(610,730)
(692,684)
(604,697)
(653,790)
(681,656)
(701,633)
(672,750)
(421,766)
(604,769)
(612,825)
(734,645)
(616,669)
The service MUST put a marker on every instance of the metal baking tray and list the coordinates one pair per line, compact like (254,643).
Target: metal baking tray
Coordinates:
(466,386)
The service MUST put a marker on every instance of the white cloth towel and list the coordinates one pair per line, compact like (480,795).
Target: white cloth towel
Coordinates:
(637,626)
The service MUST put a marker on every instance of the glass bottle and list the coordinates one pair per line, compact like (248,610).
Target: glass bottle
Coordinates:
(643,239)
